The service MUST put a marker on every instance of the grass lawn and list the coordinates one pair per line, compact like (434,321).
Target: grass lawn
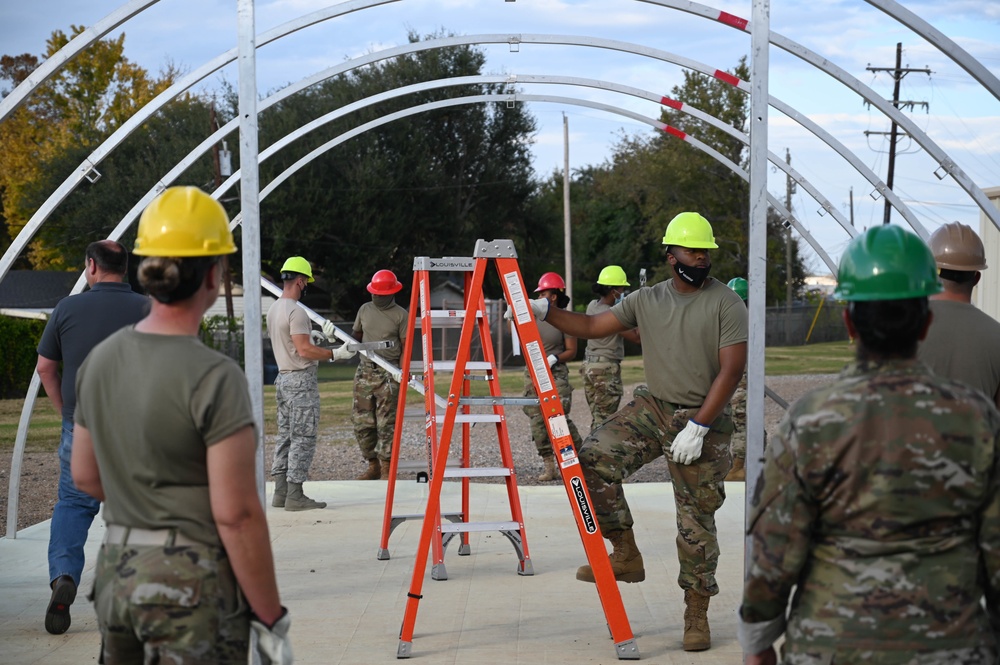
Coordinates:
(336,382)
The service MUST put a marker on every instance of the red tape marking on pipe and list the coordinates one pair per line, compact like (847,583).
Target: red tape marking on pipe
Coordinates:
(673,131)
(672,103)
(727,77)
(735,21)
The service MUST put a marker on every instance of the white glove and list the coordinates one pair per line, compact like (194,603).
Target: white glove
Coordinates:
(343,353)
(317,338)
(540,307)
(328,330)
(273,645)
(552,360)
(508,313)
(686,447)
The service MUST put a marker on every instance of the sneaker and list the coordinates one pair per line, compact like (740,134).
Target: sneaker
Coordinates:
(57,615)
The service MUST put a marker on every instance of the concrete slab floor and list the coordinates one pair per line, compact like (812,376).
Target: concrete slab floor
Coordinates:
(347,607)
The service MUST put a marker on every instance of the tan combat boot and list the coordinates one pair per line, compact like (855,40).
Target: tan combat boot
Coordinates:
(280,491)
(384,469)
(626,560)
(373,472)
(697,635)
(297,500)
(738,472)
(550,472)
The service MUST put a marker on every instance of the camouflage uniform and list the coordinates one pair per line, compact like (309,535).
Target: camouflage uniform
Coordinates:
(169,605)
(297,394)
(638,434)
(376,396)
(880,502)
(560,372)
(602,384)
(738,403)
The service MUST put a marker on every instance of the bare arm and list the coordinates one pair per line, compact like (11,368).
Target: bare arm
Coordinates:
(306,349)
(239,517)
(48,372)
(632,335)
(83,464)
(733,359)
(569,352)
(587,326)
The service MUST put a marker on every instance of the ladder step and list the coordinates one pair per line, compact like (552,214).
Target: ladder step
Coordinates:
(466,527)
(471,418)
(417,366)
(499,401)
(481,472)
(420,516)
(421,465)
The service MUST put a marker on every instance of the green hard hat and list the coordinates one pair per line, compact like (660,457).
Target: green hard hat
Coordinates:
(612,276)
(741,287)
(887,262)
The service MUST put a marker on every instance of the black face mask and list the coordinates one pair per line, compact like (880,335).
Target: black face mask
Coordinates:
(305,287)
(693,275)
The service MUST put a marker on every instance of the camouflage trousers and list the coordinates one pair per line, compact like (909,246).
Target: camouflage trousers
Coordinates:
(376,397)
(297,394)
(177,605)
(970,656)
(638,434)
(539,434)
(739,406)
(602,384)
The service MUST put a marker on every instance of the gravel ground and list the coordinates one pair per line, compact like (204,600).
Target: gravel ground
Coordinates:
(337,456)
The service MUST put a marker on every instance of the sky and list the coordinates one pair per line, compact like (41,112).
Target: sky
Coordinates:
(960,115)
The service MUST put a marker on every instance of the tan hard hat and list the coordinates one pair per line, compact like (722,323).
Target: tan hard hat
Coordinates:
(957,247)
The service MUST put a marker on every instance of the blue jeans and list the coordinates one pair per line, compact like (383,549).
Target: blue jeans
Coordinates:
(71,518)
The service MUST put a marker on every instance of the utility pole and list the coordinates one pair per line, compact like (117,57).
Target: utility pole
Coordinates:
(898,72)
(789,190)
(567,238)
(227,279)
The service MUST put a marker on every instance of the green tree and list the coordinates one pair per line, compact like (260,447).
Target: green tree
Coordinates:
(61,122)
(427,185)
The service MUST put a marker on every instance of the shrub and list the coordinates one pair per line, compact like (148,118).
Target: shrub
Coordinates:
(17,362)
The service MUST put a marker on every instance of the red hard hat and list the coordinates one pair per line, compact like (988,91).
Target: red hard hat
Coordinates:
(384,283)
(550,280)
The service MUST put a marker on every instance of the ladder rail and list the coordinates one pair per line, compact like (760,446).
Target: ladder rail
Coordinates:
(566,456)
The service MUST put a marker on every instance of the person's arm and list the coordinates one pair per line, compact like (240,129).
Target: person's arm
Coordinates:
(587,326)
(239,518)
(306,349)
(781,524)
(733,360)
(765,657)
(48,372)
(569,352)
(632,335)
(996,398)
(83,463)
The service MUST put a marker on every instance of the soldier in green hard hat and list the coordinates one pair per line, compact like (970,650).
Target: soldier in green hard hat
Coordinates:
(880,495)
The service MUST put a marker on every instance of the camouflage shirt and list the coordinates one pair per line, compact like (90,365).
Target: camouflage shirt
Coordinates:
(880,500)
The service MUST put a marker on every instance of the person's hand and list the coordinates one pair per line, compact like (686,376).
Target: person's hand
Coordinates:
(508,313)
(273,645)
(765,657)
(328,330)
(343,353)
(686,447)
(552,360)
(317,338)
(540,308)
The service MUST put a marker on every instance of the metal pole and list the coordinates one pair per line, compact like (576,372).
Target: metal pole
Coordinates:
(253,343)
(567,232)
(760,29)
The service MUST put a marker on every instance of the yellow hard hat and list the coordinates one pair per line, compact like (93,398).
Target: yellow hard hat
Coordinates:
(299,265)
(612,276)
(184,222)
(691,230)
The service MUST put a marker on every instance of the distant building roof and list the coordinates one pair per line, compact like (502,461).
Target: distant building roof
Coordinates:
(35,289)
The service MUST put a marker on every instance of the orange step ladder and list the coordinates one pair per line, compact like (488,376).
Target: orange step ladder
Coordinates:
(456,410)
(433,415)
